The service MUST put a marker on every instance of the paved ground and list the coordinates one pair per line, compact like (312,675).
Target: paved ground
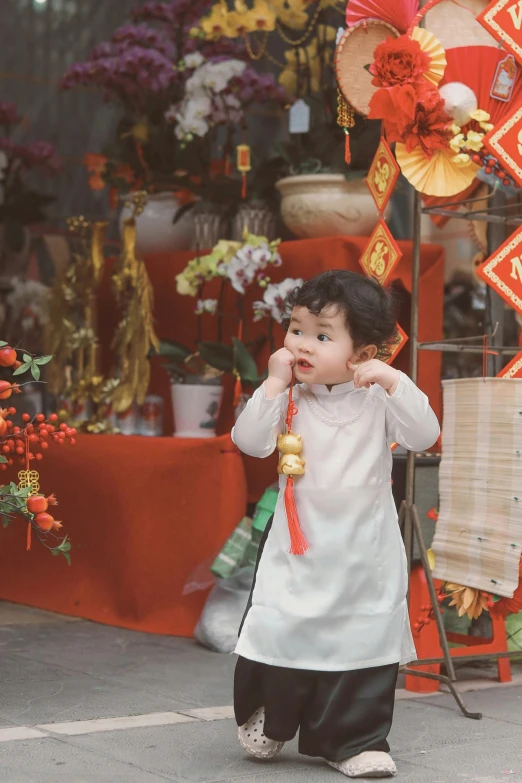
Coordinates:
(85,703)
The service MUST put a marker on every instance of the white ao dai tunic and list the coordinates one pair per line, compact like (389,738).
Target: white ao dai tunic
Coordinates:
(342,605)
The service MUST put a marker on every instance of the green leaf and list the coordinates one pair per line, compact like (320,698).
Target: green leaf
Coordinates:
(3,343)
(27,358)
(43,360)
(244,363)
(219,356)
(23,368)
(35,371)
(172,350)
(3,459)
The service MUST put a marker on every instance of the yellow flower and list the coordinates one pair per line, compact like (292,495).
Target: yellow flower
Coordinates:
(457,142)
(480,116)
(474,141)
(455,129)
(217,24)
(263,16)
(184,286)
(462,159)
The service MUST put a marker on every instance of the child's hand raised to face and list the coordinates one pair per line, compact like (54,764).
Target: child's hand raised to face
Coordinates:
(374,371)
(279,372)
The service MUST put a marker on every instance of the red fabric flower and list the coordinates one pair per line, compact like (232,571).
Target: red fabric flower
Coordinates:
(399,61)
(414,115)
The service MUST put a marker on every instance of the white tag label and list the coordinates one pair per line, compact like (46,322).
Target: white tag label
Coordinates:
(299,117)
(340,32)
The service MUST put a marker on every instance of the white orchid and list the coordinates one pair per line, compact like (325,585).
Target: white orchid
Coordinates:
(192,115)
(194,60)
(206,306)
(214,76)
(274,298)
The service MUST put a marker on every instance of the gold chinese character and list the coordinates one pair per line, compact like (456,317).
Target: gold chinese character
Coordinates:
(378,258)
(382,175)
(29,478)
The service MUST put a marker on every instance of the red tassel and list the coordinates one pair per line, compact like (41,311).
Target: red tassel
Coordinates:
(244,186)
(28,546)
(347,152)
(298,543)
(238,391)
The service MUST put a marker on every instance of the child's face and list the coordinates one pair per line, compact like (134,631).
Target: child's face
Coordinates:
(322,346)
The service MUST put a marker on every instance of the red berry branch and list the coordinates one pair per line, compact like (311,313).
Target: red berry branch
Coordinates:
(24,444)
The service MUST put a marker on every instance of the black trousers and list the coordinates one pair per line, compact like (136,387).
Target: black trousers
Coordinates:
(338,714)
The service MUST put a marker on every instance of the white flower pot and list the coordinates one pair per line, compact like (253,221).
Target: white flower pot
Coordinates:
(324,205)
(155,230)
(196,409)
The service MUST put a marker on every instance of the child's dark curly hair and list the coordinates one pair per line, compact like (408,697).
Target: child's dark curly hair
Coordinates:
(368,307)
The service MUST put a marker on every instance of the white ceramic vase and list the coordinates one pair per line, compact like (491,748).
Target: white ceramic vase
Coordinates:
(196,409)
(324,205)
(155,230)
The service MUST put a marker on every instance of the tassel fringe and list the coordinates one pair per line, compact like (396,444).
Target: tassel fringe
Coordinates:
(298,542)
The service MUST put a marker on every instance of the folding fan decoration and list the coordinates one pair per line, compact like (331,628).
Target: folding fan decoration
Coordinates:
(398,14)
(436,104)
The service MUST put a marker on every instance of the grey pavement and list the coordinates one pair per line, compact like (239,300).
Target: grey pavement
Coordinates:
(86,703)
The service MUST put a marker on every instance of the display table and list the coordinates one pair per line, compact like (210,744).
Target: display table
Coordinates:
(175,319)
(142,514)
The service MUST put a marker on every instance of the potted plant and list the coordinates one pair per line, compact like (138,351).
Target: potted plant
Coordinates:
(196,374)
(183,110)
(20,204)
(321,195)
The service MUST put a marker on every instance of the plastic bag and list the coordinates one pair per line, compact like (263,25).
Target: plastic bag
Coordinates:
(218,626)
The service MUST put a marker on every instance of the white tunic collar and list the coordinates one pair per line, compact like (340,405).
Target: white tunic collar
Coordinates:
(320,390)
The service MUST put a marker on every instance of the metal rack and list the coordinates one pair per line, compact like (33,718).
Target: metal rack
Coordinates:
(498,215)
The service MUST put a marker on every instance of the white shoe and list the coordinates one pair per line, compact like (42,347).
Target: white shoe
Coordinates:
(252,738)
(370,764)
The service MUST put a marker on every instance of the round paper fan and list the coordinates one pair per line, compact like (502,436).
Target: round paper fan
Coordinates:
(454,23)
(353,55)
(435,176)
(430,45)
(476,66)
(398,13)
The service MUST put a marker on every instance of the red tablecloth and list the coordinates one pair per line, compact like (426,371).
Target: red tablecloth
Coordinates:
(175,317)
(142,514)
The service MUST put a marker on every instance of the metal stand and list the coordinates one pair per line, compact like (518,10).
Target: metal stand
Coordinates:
(498,215)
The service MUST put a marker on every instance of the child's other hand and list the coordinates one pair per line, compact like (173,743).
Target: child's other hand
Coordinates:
(279,372)
(374,371)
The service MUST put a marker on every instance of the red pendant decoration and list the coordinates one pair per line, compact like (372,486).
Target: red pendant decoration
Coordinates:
(505,144)
(503,271)
(503,20)
(382,254)
(513,369)
(243,165)
(383,175)
(398,344)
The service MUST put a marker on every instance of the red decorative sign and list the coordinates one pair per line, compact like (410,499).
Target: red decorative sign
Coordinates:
(505,143)
(503,270)
(398,344)
(503,20)
(382,254)
(513,369)
(383,175)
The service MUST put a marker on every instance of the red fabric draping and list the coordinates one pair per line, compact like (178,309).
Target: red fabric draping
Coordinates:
(175,317)
(142,514)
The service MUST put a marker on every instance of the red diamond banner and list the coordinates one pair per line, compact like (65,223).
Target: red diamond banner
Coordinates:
(513,369)
(503,20)
(503,270)
(505,143)
(398,344)
(382,254)
(383,175)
